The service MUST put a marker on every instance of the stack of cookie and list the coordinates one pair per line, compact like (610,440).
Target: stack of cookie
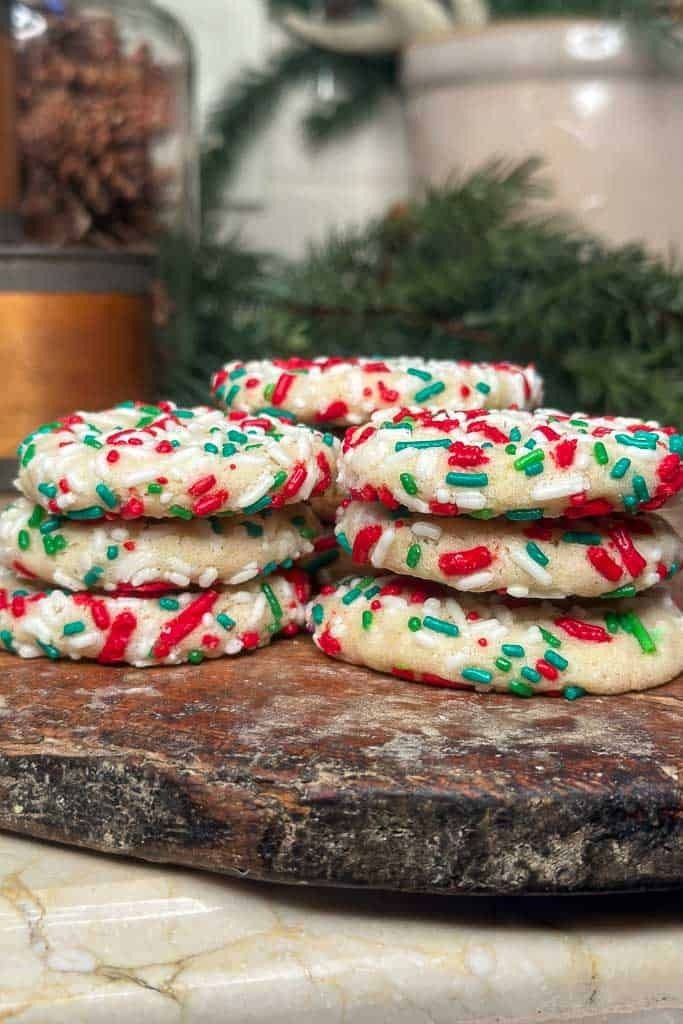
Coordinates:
(546,518)
(157,534)
(335,393)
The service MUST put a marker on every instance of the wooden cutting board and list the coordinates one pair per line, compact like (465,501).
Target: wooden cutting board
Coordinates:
(285,765)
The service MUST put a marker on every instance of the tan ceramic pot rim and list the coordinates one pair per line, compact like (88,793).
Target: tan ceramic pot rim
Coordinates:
(543,48)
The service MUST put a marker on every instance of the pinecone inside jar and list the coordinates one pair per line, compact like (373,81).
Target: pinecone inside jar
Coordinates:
(90,115)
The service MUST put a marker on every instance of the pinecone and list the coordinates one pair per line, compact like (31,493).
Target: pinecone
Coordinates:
(89,117)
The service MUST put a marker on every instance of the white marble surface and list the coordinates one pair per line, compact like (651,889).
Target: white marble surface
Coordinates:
(86,938)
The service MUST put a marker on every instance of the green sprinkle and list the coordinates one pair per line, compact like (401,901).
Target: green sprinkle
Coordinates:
(515,434)
(522,514)
(553,658)
(144,421)
(612,622)
(268,391)
(269,567)
(534,470)
(414,624)
(195,657)
(279,479)
(366,619)
(228,450)
(37,517)
(225,621)
(154,489)
(628,590)
(92,512)
(620,468)
(236,374)
(274,604)
(531,443)
(484,388)
(503,664)
(50,524)
(49,490)
(630,503)
(169,604)
(329,440)
(639,439)
(24,539)
(237,436)
(520,689)
(573,692)
(510,449)
(676,443)
(258,506)
(343,542)
(107,496)
(408,483)
(92,441)
(49,650)
(91,578)
(401,446)
(530,459)
(28,455)
(550,638)
(482,513)
(477,675)
(440,626)
(371,592)
(211,448)
(414,555)
(633,625)
(513,650)
(600,453)
(531,675)
(422,374)
(73,628)
(253,529)
(572,537)
(112,552)
(467,479)
(326,558)
(180,512)
(535,553)
(6,638)
(232,395)
(271,410)
(640,488)
(430,391)
(352,595)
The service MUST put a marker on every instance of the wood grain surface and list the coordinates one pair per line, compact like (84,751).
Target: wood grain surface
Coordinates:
(288,766)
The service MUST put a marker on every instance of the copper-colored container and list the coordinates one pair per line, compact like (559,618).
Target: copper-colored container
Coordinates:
(9,174)
(75,333)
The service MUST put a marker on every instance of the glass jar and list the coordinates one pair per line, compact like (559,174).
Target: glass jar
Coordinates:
(106,134)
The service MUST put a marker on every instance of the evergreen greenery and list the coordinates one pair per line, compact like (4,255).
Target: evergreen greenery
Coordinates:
(466,271)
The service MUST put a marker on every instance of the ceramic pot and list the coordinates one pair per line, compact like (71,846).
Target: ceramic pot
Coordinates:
(593,98)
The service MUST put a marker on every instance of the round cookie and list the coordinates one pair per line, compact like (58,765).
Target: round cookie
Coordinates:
(148,556)
(420,632)
(163,461)
(142,631)
(341,392)
(523,465)
(551,558)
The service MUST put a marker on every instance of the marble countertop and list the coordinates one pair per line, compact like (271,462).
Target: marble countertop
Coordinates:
(88,938)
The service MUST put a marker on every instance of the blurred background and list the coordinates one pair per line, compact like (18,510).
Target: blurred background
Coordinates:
(489,179)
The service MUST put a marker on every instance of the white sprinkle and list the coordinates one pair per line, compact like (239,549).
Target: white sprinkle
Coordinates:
(533,635)
(208,577)
(62,580)
(453,662)
(424,639)
(144,576)
(280,456)
(394,601)
(473,501)
(257,490)
(525,562)
(562,487)
(208,621)
(443,495)
(257,611)
(83,640)
(518,591)
(119,534)
(475,581)
(178,579)
(245,574)
(142,476)
(427,530)
(382,546)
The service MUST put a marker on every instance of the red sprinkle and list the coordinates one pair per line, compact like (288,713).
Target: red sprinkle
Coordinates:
(284,383)
(547,670)
(100,615)
(117,640)
(365,540)
(669,467)
(209,503)
(564,452)
(351,441)
(133,508)
(18,606)
(183,624)
(324,477)
(388,395)
(210,641)
(164,447)
(605,565)
(113,456)
(466,455)
(443,508)
(387,498)
(632,558)
(20,568)
(64,485)
(296,481)
(490,432)
(250,641)
(598,507)
(462,563)
(328,643)
(584,631)
(334,411)
(201,486)
(432,680)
